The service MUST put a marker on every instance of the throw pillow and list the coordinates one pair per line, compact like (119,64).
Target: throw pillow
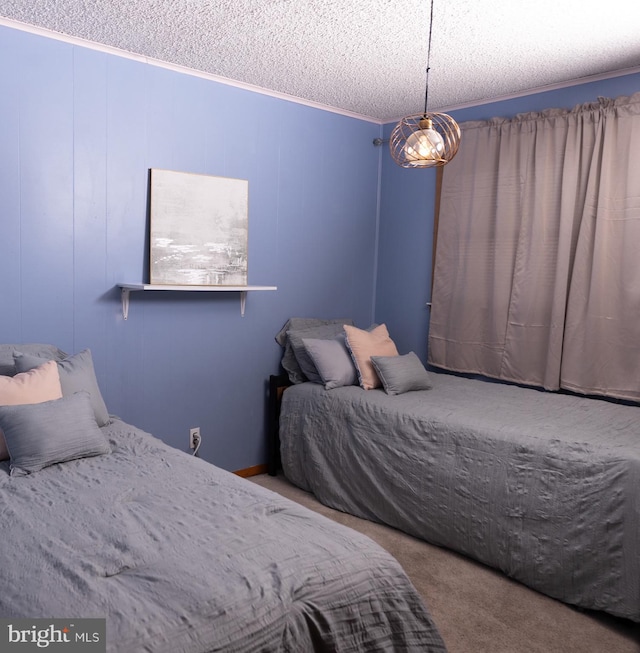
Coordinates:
(40,435)
(36,386)
(76,373)
(332,360)
(289,361)
(365,344)
(320,332)
(46,352)
(401,373)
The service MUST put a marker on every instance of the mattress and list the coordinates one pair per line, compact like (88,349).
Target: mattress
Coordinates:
(181,556)
(542,486)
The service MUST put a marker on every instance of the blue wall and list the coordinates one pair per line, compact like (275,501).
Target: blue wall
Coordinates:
(79,130)
(333,222)
(407,207)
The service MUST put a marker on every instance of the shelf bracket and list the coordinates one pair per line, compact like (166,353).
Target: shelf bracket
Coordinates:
(243,302)
(125,302)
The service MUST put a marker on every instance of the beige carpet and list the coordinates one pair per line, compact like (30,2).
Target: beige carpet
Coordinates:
(477,609)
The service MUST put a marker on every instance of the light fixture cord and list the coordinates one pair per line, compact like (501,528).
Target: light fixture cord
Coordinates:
(426,89)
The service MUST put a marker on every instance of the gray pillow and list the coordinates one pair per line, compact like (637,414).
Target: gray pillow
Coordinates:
(45,352)
(401,373)
(76,373)
(320,332)
(332,360)
(299,324)
(39,435)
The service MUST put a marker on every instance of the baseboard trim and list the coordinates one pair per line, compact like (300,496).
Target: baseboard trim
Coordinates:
(252,471)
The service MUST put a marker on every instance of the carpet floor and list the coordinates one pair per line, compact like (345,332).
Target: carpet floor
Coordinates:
(478,609)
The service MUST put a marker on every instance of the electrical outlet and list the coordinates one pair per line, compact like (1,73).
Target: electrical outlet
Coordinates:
(194,437)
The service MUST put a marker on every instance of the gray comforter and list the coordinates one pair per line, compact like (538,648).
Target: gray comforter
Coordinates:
(179,555)
(545,487)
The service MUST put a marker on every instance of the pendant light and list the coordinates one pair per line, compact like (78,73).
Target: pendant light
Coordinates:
(425,140)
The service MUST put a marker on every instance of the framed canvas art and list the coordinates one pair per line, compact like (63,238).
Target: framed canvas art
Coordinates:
(199,229)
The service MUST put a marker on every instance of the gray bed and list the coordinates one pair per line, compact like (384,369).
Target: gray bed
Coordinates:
(543,486)
(176,554)
(179,555)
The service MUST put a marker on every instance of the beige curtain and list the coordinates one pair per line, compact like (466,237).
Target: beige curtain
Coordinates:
(537,274)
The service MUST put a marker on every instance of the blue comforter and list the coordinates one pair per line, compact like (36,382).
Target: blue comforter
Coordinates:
(543,486)
(179,555)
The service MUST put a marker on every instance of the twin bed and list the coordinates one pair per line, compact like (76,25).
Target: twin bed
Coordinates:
(543,486)
(176,554)
(103,520)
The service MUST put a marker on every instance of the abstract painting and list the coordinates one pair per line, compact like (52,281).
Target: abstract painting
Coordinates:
(199,229)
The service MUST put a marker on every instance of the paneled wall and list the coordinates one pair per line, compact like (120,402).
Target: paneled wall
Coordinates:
(407,207)
(333,222)
(79,131)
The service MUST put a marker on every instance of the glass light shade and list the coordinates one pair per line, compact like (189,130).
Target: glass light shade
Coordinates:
(424,143)
(425,140)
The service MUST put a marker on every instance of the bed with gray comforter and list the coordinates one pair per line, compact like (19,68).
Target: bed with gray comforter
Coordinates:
(181,556)
(543,486)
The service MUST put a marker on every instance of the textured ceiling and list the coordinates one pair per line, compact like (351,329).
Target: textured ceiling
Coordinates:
(366,57)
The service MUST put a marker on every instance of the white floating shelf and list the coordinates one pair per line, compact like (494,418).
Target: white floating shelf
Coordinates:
(127,288)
